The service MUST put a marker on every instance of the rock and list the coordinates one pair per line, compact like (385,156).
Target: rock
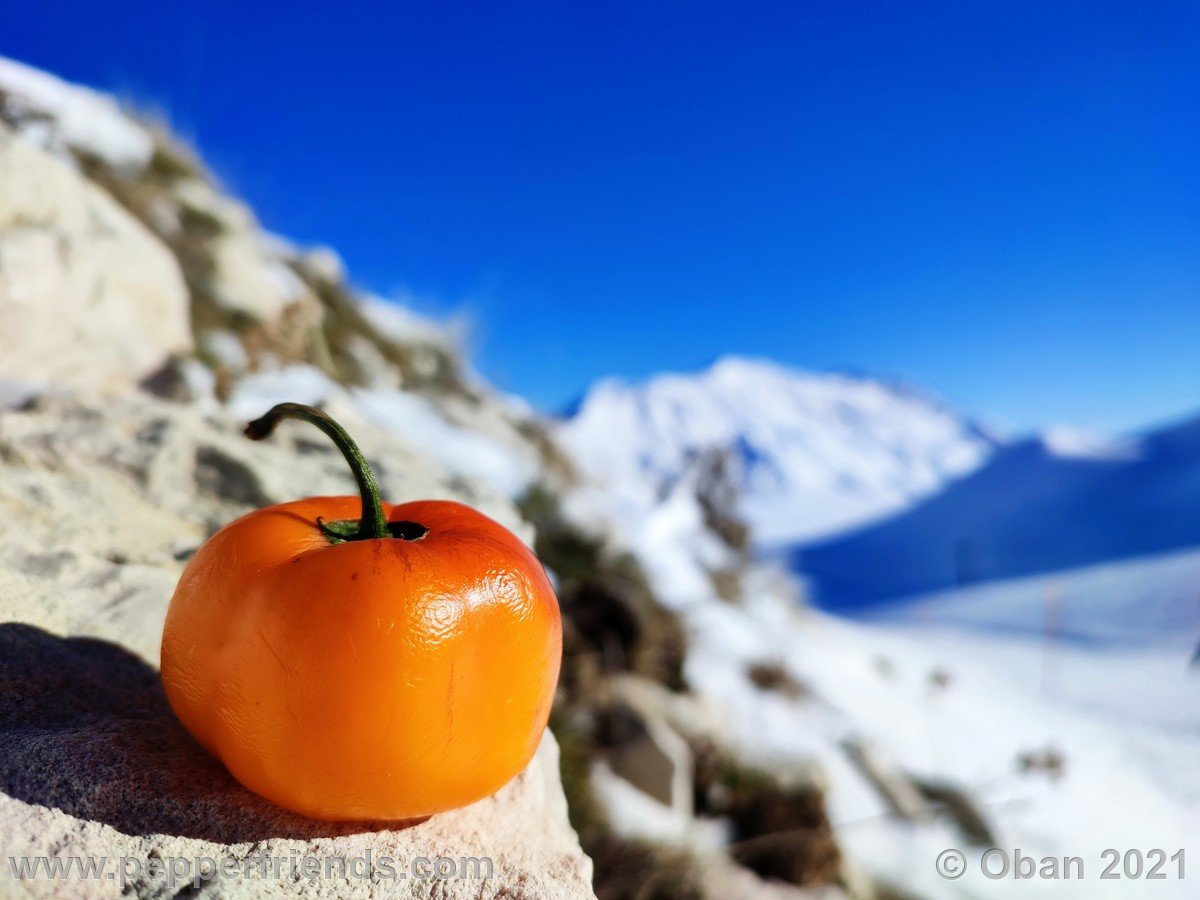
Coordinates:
(69,119)
(902,797)
(322,265)
(89,298)
(697,719)
(99,508)
(648,753)
(641,777)
(95,765)
(960,807)
(249,276)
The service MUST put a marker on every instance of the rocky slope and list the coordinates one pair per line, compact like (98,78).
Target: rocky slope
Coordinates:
(134,300)
(92,761)
(101,506)
(124,263)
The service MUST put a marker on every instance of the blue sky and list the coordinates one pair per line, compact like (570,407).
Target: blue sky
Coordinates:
(1000,201)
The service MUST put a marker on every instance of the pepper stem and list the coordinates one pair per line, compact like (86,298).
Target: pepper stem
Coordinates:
(373,523)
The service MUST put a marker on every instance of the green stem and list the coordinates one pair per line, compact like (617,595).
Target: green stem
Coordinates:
(373,523)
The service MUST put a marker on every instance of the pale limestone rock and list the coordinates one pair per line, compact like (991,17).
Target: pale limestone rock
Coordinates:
(88,297)
(99,507)
(323,265)
(250,277)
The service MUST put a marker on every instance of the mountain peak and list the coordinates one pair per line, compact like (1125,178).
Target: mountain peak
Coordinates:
(810,452)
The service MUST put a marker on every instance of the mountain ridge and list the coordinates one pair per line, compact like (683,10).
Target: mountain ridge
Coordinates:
(1030,509)
(811,452)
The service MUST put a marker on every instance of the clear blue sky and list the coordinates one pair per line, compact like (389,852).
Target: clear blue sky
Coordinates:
(998,200)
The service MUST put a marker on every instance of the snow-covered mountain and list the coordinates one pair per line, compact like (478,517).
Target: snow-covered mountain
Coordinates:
(1042,505)
(809,454)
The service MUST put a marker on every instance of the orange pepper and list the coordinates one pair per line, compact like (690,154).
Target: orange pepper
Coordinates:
(351,659)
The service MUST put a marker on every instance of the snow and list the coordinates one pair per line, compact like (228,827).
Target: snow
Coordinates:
(956,689)
(812,453)
(1030,509)
(14,393)
(257,393)
(670,539)
(962,706)
(400,323)
(1075,443)
(227,350)
(80,118)
(462,450)
(633,813)
(282,278)
(414,418)
(1145,601)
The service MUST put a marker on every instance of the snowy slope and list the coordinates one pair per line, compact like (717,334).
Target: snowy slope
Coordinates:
(51,110)
(811,453)
(1150,600)
(962,707)
(1040,506)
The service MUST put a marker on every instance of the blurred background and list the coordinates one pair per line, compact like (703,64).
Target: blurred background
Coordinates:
(841,359)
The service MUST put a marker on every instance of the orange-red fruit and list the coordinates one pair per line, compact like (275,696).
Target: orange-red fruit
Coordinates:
(372,679)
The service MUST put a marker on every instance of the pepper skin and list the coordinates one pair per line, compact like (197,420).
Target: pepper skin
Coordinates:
(366,678)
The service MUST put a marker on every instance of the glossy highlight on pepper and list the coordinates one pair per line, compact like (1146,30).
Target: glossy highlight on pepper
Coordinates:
(352,659)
